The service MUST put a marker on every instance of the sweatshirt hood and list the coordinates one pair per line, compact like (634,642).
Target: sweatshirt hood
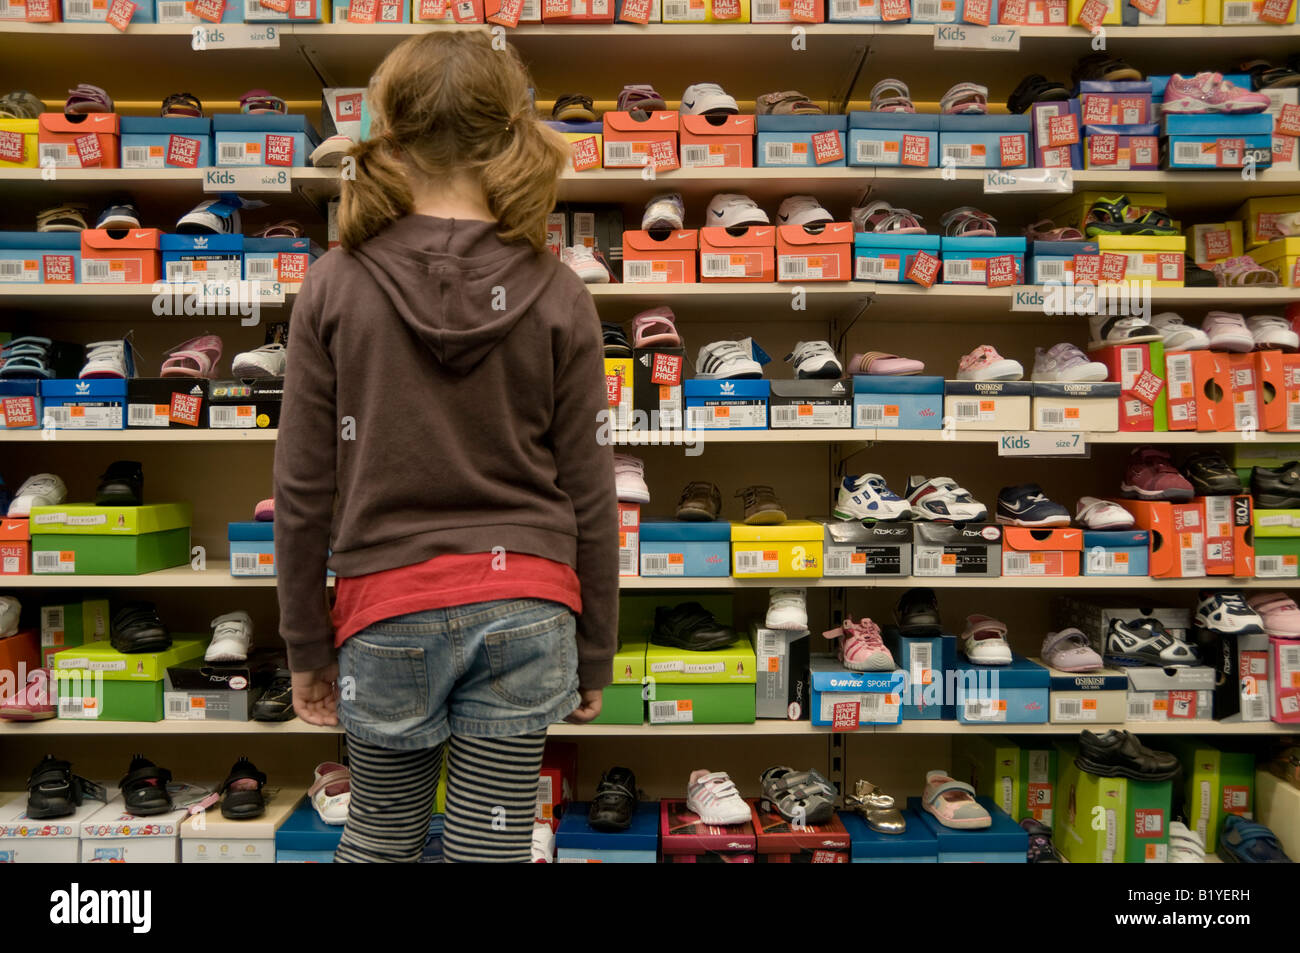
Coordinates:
(455,284)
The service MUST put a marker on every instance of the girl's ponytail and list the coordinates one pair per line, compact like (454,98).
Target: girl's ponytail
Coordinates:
(521,183)
(376,197)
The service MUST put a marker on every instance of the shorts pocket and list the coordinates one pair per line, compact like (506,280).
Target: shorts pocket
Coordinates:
(389,682)
(534,663)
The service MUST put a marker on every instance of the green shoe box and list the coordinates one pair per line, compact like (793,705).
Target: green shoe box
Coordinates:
(1110,820)
(101,659)
(732,665)
(1276,557)
(1277,523)
(128,555)
(87,519)
(629,662)
(1218,783)
(86,699)
(621,705)
(1017,773)
(702,704)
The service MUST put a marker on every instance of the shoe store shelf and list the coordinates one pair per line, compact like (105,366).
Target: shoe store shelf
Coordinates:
(220,435)
(161,184)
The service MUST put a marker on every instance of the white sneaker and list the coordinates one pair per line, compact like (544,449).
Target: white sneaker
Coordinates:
(211,217)
(731,210)
(629,479)
(1228,332)
(713,796)
(726,360)
(986,364)
(11,609)
(43,489)
(1185,844)
(583,262)
(701,99)
(1119,329)
(1065,362)
(265,361)
(109,359)
(232,633)
(866,497)
(787,609)
(1271,331)
(543,847)
(815,360)
(664,211)
(942,499)
(1092,513)
(1178,336)
(802,210)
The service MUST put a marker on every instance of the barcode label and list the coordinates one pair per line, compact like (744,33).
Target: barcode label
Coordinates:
(51,619)
(179,271)
(81,8)
(659,564)
(251,564)
(259,268)
(1051,416)
(171,11)
(1130,363)
(785,415)
(135,157)
(766,9)
(870,149)
(58,416)
(984,709)
(230,417)
(1179,370)
(92,270)
(45,561)
(668,712)
(870,414)
(699,155)
(748,562)
(1050,270)
(53,153)
(677,10)
(638,271)
(618,153)
(844,8)
(627,562)
(720,266)
(922,660)
(840,563)
(1140,708)
(792,268)
(870,707)
(670,415)
(1254,707)
(869,268)
(957,269)
(928,561)
(925,9)
(1015,563)
(1239,12)
(142,415)
(966,409)
(231,152)
(1187,152)
(957,151)
(777,153)
(11,269)
(178,705)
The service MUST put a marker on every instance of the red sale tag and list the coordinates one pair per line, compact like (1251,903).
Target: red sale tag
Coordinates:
(1288,122)
(433,9)
(183,152)
(1087,269)
(13,146)
(1013,12)
(976,11)
(827,147)
(1103,149)
(614,389)
(924,269)
(1113,267)
(585,154)
(725,9)
(1096,110)
(279,6)
(804,11)
(556,8)
(1093,12)
(1147,387)
(185,409)
(58,269)
(1143,150)
(1230,153)
(348,108)
(20,411)
(509,13)
(1012,150)
(210,10)
(1000,272)
(120,13)
(916,150)
(363,11)
(896,10)
(667,369)
(1182,704)
(1147,822)
(1283,149)
(292,266)
(1062,130)
(1276,11)
(1149,7)
(1218,245)
(1169,266)
(88,150)
(635,11)
(844,716)
(279,150)
(40,11)
(664,155)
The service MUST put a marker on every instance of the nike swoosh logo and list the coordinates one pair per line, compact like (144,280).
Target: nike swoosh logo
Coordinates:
(690,105)
(1014,508)
(784,218)
(718,212)
(10,527)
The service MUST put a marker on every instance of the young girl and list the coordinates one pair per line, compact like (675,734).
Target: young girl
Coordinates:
(438,451)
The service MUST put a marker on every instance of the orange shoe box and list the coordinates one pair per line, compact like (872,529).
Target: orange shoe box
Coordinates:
(57,138)
(1140,370)
(1229,535)
(814,252)
(1200,391)
(747,253)
(660,256)
(1245,392)
(15,548)
(630,139)
(128,256)
(19,655)
(1177,536)
(717,142)
(1041,552)
(1278,377)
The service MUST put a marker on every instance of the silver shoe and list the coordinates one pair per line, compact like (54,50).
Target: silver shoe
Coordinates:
(877,808)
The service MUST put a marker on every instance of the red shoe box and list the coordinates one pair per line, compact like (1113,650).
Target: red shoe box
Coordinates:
(1200,391)
(557,781)
(15,548)
(57,135)
(1140,369)
(780,842)
(1177,547)
(121,256)
(660,256)
(738,254)
(1229,535)
(717,142)
(1278,378)
(685,839)
(19,655)
(814,252)
(1244,381)
(630,137)
(1041,552)
(578,11)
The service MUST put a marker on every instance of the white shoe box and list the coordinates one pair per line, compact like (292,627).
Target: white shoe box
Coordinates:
(1077,406)
(111,835)
(27,841)
(1170,694)
(209,838)
(987,405)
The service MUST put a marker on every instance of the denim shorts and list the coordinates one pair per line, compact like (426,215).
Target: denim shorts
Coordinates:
(487,670)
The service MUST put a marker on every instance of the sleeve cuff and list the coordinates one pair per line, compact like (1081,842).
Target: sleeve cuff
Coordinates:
(595,673)
(309,656)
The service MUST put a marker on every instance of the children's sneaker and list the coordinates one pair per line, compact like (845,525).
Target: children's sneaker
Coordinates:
(700,502)
(1178,336)
(708,99)
(1274,488)
(109,360)
(943,500)
(1210,93)
(1027,505)
(860,648)
(1279,613)
(1228,613)
(727,360)
(35,701)
(762,508)
(787,609)
(802,210)
(986,364)
(585,265)
(1144,641)
(1228,332)
(866,497)
(713,796)
(1150,476)
(629,479)
(10,611)
(1119,329)
(1065,362)
(732,210)
(1272,332)
(815,360)
(664,211)
(1092,513)
(43,489)
(1210,475)
(232,634)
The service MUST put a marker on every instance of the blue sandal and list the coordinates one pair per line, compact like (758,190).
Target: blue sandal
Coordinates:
(1249,842)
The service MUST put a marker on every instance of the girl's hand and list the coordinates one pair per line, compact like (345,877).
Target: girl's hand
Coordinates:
(585,712)
(316,696)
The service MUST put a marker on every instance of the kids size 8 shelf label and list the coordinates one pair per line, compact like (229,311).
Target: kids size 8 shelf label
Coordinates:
(663,564)
(235,36)
(751,562)
(252,177)
(678,712)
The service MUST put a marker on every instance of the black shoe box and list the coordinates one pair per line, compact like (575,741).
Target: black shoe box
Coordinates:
(601,225)
(657,375)
(245,404)
(160,403)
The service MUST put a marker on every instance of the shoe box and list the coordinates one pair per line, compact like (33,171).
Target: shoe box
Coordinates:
(1259,218)
(657,375)
(1214,141)
(202,258)
(811,405)
(822,252)
(1241,674)
(783,11)
(1152,259)
(586,142)
(956,549)
(734,665)
(660,256)
(252,548)
(1284,146)
(893,139)
(263,139)
(179,11)
(746,253)
(982,261)
(1015,694)
(115,256)
(1140,369)
(1063,149)
(20,654)
(854,11)
(283,260)
(40,257)
(20,405)
(1177,540)
(1277,807)
(1277,544)
(632,11)
(1216,783)
(1110,820)
(629,538)
(781,658)
(883,256)
(304,837)
(726,405)
(1016,774)
(685,839)
(82,141)
(1049,553)
(557,782)
(985,142)
(166,142)
(1285,658)
(639,138)
(1210,242)
(844,700)
(197,690)
(1053,262)
(1003,842)
(1112,16)
(618,391)
(21,140)
(68,625)
(467,11)
(930,664)
(166,402)
(1090,406)
(84,539)
(1087,698)
(1233,13)
(209,838)
(96,11)
(1170,694)
(722,142)
(94,404)
(1094,618)
(245,403)
(1073,210)
(674,548)
(898,403)
(915,845)
(624,699)
(784,842)
(1122,148)
(701,703)
(26,840)
(856,548)
(792,550)
(15,547)
(577,842)
(97,681)
(1035,13)
(1199,392)
(1280,256)
(578,11)
(1116,552)
(784,141)
(988,405)
(1116,102)
(1229,535)
(599,227)
(383,11)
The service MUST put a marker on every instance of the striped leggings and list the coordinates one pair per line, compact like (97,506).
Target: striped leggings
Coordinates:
(491,799)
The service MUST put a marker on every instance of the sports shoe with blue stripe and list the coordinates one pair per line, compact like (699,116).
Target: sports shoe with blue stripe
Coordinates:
(1027,505)
(867,497)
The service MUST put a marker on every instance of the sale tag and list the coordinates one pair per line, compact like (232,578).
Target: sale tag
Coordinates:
(185,409)
(556,8)
(614,389)
(210,10)
(896,10)
(976,11)
(1087,268)
(509,13)
(1230,152)
(667,369)
(1218,245)
(725,9)
(1062,130)
(827,147)
(844,716)
(916,150)
(924,269)
(13,146)
(1288,122)
(183,152)
(1013,150)
(1113,267)
(292,266)
(58,269)
(664,155)
(40,11)
(279,6)
(1096,110)
(120,13)
(363,11)
(433,9)
(279,150)
(1147,387)
(585,154)
(1276,11)
(1103,149)
(88,150)
(804,11)
(1149,7)
(1014,12)
(1093,12)
(20,411)
(999,272)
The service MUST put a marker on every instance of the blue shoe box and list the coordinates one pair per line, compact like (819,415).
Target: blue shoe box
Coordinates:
(147,142)
(173,11)
(1115,552)
(1003,842)
(1015,694)
(929,661)
(888,138)
(879,256)
(252,548)
(1196,141)
(577,842)
(94,404)
(898,403)
(985,142)
(283,260)
(854,11)
(20,405)
(240,139)
(785,141)
(673,548)
(83,11)
(40,257)
(875,693)
(726,405)
(1053,262)
(305,839)
(916,845)
(202,257)
(965,260)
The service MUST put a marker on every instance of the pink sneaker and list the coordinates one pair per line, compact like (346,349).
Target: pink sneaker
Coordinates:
(1280,614)
(860,648)
(34,702)
(1210,93)
(1150,476)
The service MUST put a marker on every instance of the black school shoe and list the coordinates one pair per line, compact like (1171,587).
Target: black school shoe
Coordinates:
(615,801)
(917,613)
(122,484)
(690,626)
(1276,488)
(136,628)
(1119,754)
(276,703)
(1210,475)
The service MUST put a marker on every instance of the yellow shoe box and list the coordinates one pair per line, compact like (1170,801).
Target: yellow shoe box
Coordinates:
(1280,257)
(700,11)
(618,391)
(1213,242)
(1258,216)
(25,144)
(791,549)
(1184,12)
(1157,259)
(1245,12)
(1114,12)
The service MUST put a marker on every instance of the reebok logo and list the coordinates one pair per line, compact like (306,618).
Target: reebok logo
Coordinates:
(132,908)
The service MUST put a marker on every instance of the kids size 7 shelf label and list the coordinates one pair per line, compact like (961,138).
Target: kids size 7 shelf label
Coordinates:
(967,37)
(1042,444)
